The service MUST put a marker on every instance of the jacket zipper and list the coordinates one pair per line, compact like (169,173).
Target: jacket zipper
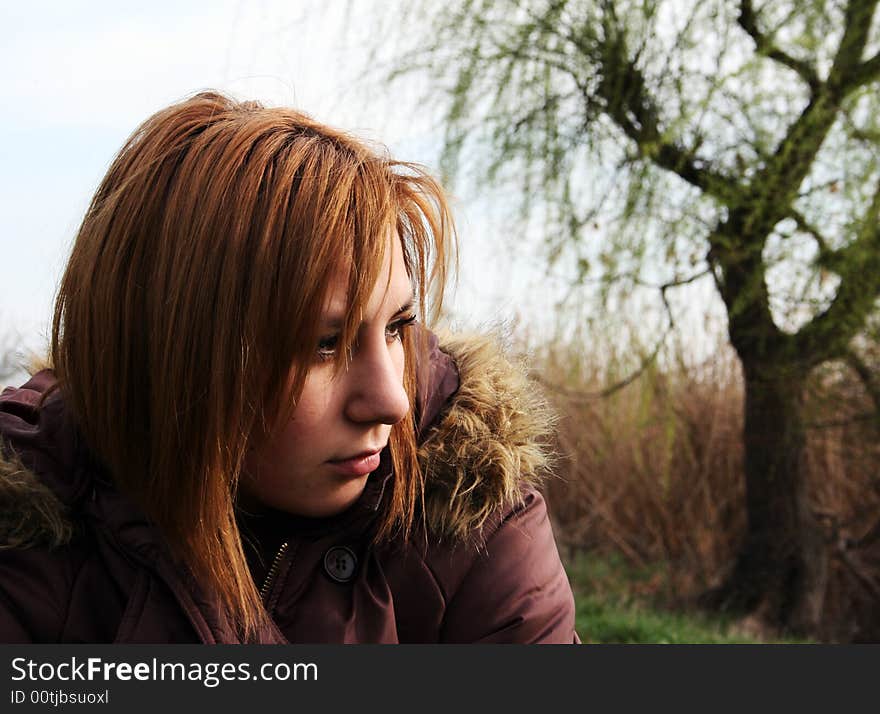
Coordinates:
(269,580)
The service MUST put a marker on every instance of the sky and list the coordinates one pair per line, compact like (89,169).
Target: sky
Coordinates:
(78,77)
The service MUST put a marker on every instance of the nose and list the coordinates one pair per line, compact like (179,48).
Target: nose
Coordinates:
(376,382)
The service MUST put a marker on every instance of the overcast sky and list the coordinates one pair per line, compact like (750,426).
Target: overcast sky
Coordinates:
(78,77)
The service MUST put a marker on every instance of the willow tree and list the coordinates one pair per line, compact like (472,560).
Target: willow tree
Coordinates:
(731,142)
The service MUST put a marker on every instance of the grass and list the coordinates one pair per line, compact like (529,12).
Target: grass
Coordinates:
(619,604)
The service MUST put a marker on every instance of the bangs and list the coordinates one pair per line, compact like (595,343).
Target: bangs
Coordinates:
(371,207)
(385,200)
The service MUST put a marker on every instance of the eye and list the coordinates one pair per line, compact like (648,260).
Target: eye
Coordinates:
(394,331)
(327,347)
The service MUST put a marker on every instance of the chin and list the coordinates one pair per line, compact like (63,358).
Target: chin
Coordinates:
(330,504)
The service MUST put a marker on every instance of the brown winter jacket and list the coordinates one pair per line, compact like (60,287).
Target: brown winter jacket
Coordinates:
(80,563)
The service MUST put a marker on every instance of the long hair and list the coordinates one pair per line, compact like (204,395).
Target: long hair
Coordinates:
(191,301)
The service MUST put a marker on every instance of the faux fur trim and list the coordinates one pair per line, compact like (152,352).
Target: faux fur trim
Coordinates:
(491,442)
(30,513)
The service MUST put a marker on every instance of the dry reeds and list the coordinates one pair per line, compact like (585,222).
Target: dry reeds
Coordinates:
(654,471)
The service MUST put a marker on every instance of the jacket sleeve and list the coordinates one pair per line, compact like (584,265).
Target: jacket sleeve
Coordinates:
(516,590)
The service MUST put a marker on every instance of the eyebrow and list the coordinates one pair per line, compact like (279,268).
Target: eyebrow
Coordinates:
(335,320)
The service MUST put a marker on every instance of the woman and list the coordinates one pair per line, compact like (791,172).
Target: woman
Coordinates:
(246,436)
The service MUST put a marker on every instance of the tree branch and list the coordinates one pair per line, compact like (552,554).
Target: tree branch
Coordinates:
(866,136)
(580,397)
(676,283)
(776,186)
(764,46)
(858,265)
(866,72)
(587,397)
(845,71)
(628,103)
(826,252)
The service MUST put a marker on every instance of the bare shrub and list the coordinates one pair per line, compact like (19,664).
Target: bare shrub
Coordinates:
(653,471)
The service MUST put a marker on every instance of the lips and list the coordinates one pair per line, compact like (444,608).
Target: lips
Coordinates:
(359,465)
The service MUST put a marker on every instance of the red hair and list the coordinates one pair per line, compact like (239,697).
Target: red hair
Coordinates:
(192,296)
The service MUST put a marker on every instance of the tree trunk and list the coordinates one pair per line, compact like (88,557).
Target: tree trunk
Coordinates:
(780,572)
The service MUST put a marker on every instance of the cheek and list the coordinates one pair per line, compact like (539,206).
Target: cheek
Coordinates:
(303,434)
(309,425)
(285,461)
(288,445)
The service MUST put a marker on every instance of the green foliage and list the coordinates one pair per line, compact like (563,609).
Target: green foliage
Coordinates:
(654,142)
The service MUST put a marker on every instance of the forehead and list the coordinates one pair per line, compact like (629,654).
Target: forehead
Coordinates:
(391,290)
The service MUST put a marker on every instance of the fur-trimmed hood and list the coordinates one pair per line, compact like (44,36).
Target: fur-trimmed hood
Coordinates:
(491,440)
(30,512)
(486,432)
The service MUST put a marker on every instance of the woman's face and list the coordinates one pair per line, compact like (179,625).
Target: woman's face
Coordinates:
(318,463)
